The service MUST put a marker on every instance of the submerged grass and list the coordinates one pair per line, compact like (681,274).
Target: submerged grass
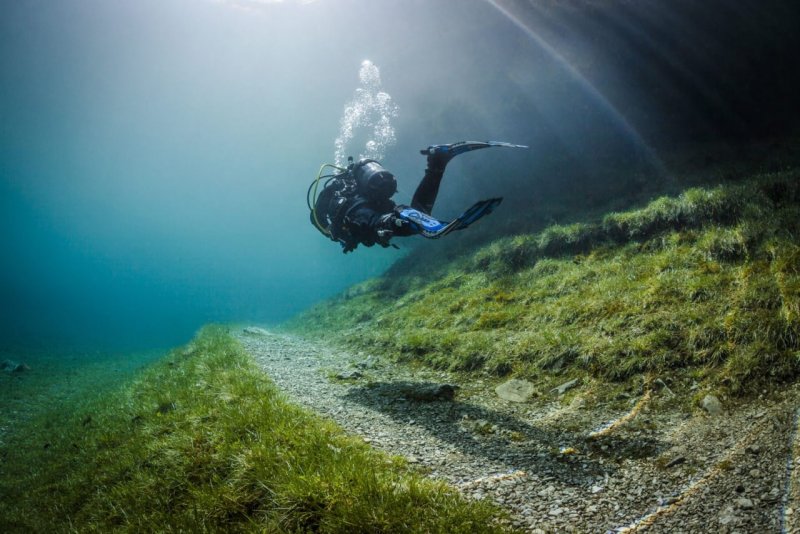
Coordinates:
(203,441)
(705,284)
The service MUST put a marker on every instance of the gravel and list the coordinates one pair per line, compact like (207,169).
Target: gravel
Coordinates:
(658,470)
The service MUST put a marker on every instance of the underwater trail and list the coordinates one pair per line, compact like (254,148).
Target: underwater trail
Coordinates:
(564,460)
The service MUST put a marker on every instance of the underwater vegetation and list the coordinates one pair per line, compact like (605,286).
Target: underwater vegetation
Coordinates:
(203,441)
(704,285)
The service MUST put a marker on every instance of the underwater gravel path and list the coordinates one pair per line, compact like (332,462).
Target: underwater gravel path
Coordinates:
(659,471)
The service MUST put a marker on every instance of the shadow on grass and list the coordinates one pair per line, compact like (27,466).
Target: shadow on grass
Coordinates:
(567,455)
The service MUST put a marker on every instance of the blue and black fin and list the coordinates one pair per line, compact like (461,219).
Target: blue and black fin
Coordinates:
(432,228)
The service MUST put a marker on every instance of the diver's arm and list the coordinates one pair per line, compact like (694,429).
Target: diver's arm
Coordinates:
(370,226)
(363,224)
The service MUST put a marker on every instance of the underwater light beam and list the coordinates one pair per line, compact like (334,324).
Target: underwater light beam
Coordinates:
(617,118)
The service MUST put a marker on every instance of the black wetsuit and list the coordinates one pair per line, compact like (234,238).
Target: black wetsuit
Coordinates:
(359,220)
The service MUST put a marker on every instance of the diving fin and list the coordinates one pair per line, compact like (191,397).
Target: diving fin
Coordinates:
(455,149)
(432,228)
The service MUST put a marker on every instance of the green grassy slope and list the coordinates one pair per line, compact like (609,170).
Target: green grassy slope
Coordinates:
(202,441)
(705,284)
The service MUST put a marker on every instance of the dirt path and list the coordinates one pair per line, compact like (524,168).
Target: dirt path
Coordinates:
(559,467)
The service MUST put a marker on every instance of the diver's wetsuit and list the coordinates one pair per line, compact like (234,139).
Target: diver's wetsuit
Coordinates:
(355,206)
(361,221)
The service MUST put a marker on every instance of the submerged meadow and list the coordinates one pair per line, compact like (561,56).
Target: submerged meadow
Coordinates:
(703,286)
(153,160)
(203,441)
(699,290)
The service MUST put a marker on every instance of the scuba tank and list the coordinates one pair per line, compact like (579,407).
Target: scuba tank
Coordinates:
(373,182)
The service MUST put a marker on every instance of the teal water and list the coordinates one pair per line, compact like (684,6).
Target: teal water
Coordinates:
(154,155)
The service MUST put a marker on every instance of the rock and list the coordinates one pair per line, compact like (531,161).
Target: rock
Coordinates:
(349,375)
(712,405)
(563,388)
(446,392)
(753,449)
(255,331)
(515,390)
(369,363)
(675,461)
(13,367)
(727,517)
(744,503)
(577,403)
(662,386)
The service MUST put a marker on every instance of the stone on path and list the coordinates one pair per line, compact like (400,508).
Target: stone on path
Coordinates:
(727,518)
(712,405)
(255,330)
(349,375)
(515,390)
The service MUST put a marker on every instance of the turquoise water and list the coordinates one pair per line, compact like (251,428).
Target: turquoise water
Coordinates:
(154,155)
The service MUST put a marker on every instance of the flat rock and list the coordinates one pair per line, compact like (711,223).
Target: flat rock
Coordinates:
(675,461)
(255,331)
(563,388)
(712,405)
(515,390)
(350,375)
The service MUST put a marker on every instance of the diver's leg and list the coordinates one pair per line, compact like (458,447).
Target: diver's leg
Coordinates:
(428,188)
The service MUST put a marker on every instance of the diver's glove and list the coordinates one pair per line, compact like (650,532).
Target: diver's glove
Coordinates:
(348,246)
(389,225)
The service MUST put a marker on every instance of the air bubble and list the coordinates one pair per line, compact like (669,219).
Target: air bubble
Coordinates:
(368,115)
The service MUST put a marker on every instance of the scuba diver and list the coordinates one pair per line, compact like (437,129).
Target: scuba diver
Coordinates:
(355,206)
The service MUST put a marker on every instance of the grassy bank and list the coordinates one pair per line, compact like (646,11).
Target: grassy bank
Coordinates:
(702,286)
(203,441)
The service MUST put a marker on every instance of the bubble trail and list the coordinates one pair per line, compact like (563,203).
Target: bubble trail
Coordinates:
(369,113)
